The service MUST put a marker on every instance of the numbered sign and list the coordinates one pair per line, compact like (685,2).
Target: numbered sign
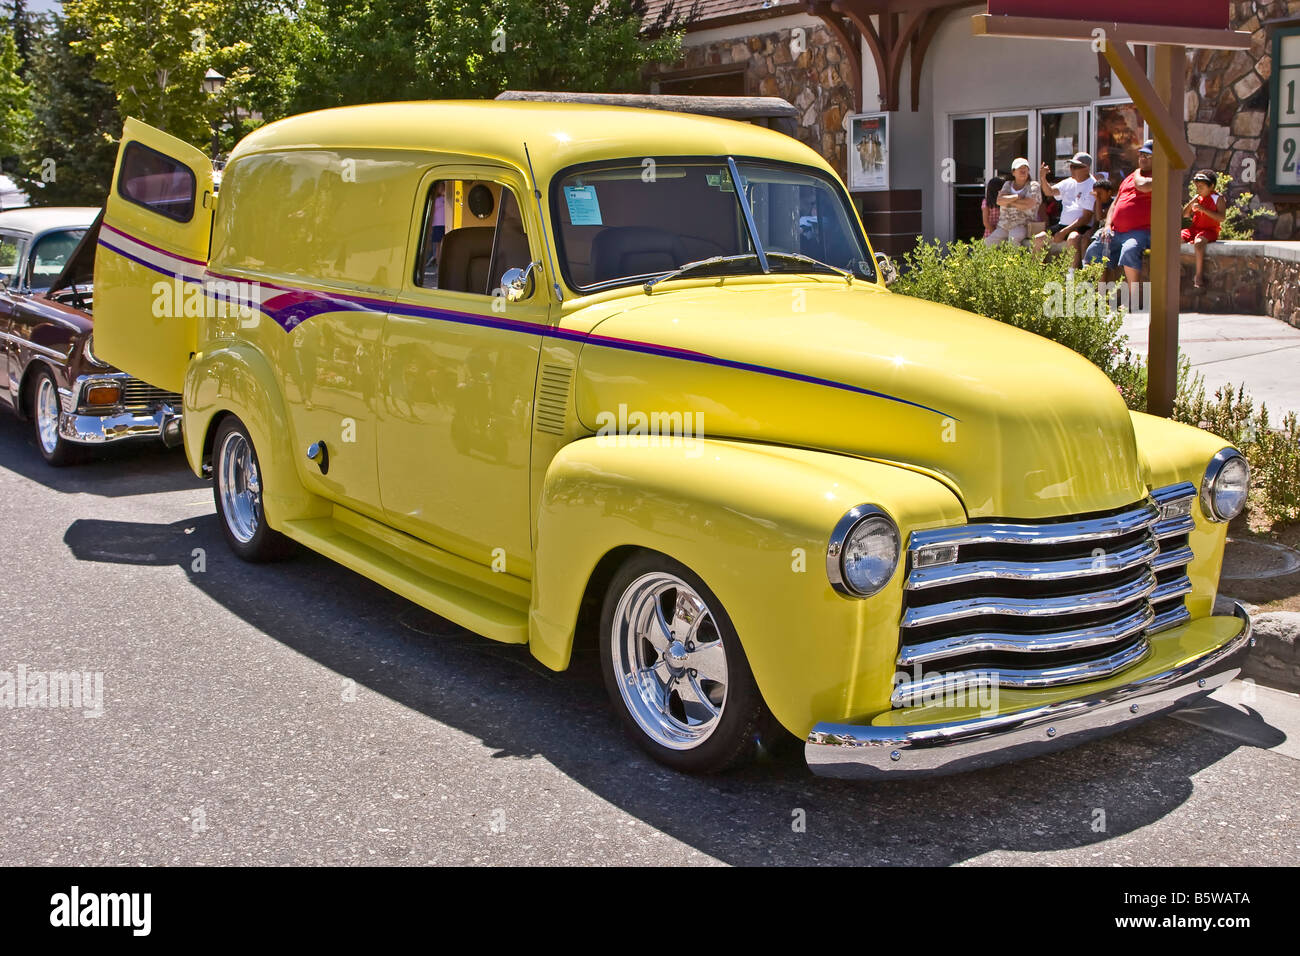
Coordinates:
(1284,159)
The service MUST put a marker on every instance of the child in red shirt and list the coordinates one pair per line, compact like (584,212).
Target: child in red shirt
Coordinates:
(1207,213)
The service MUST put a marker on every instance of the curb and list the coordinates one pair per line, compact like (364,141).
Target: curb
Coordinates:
(1275,659)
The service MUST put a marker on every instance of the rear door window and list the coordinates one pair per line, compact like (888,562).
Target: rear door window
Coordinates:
(157,182)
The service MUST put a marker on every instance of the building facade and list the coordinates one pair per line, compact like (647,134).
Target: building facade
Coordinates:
(960,107)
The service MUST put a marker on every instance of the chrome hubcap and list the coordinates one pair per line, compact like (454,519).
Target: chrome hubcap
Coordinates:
(47,415)
(240,487)
(670,662)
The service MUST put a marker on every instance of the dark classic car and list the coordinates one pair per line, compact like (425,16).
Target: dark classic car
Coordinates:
(53,377)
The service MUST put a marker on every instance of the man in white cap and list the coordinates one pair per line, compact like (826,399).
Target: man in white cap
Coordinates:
(1019,201)
(1077,202)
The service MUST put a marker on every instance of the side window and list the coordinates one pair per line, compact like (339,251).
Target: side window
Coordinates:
(11,252)
(157,182)
(473,232)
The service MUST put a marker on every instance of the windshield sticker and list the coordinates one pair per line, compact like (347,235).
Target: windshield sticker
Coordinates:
(584,207)
(720,180)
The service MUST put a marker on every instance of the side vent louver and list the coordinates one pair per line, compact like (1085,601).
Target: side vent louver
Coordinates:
(553,398)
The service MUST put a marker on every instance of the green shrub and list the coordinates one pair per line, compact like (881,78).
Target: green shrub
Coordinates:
(1009,283)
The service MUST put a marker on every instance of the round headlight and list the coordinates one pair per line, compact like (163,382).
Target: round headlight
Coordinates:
(863,552)
(1223,490)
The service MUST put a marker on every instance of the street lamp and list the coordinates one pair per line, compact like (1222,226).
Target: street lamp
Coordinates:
(212,84)
(213,81)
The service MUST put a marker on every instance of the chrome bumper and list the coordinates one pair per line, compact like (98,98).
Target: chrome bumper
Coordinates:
(870,752)
(160,420)
(163,422)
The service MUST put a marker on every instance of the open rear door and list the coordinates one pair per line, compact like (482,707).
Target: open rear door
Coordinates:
(152,254)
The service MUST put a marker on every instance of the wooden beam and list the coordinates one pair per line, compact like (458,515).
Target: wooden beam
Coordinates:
(867,30)
(1166,241)
(1043,28)
(1166,130)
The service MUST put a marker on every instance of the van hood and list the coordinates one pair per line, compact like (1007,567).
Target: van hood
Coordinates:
(1020,426)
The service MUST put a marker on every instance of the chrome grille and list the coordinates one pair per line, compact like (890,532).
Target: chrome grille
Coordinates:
(138,394)
(1040,604)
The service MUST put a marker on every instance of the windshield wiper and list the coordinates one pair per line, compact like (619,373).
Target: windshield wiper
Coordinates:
(697,264)
(800,257)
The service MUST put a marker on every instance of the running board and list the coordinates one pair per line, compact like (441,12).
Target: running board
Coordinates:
(446,584)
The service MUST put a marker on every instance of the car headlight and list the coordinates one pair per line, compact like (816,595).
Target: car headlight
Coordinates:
(863,552)
(1224,487)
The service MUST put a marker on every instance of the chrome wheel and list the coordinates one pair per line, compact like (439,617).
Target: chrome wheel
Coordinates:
(240,487)
(47,415)
(670,664)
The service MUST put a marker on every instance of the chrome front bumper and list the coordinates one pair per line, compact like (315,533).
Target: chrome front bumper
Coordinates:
(888,752)
(160,420)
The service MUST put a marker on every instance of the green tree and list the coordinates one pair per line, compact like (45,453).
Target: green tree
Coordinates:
(362,51)
(154,54)
(479,49)
(69,156)
(365,51)
(15,96)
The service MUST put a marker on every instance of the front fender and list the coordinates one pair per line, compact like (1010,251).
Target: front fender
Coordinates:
(238,379)
(754,522)
(1171,452)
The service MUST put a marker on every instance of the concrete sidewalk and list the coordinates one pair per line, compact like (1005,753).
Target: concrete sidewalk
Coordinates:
(1261,352)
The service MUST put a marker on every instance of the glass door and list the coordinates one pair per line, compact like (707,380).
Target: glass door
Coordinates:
(1062,134)
(1012,139)
(970,151)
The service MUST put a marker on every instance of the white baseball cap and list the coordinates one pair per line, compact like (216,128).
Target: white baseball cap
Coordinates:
(1018,163)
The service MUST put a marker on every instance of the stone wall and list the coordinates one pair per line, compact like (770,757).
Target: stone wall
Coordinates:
(813,80)
(1251,278)
(1227,109)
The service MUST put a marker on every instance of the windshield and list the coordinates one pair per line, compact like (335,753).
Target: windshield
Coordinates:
(50,255)
(632,220)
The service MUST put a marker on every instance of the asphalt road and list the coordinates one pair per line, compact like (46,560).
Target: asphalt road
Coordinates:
(297,713)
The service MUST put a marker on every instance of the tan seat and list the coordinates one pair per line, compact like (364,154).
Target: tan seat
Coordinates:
(464,259)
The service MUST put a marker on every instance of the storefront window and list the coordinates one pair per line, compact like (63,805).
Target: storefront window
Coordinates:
(1120,132)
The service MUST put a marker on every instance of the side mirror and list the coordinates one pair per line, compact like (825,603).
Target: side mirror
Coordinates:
(887,269)
(517,284)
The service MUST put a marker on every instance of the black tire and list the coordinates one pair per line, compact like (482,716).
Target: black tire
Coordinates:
(733,740)
(54,448)
(246,530)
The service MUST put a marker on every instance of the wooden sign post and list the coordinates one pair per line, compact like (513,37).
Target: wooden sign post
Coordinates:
(1171,26)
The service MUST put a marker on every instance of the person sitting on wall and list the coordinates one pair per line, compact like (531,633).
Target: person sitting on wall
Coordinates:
(1018,200)
(1103,194)
(1126,235)
(1075,193)
(989,208)
(1207,210)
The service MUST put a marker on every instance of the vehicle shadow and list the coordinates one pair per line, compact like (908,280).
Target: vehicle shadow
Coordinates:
(136,467)
(774,812)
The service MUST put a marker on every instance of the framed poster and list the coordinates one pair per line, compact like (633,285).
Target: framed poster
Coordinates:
(1284,130)
(868,152)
